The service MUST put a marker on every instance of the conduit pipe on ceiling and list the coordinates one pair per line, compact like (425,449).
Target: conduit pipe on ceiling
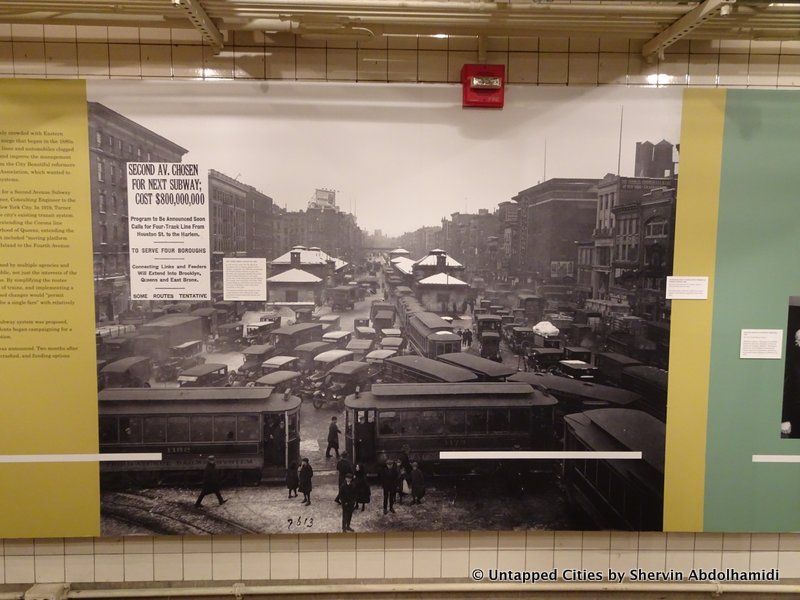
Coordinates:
(240,590)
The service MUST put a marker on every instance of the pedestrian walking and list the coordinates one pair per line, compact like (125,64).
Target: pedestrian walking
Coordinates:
(460,334)
(348,494)
(333,438)
(292,480)
(211,483)
(388,477)
(468,337)
(417,483)
(363,493)
(304,475)
(343,467)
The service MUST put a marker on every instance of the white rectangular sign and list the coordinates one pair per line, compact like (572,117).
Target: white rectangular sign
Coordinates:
(169,232)
(761,343)
(244,279)
(687,288)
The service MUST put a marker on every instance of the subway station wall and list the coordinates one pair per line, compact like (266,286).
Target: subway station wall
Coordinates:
(99,52)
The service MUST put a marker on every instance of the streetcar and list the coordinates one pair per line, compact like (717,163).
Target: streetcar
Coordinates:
(616,494)
(485,369)
(651,383)
(611,365)
(419,369)
(575,395)
(430,335)
(423,420)
(252,432)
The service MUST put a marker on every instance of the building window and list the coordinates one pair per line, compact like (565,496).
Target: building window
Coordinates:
(103,233)
(657,229)
(101,202)
(113,172)
(100,175)
(115,233)
(149,158)
(119,145)
(98,138)
(139,153)
(114,205)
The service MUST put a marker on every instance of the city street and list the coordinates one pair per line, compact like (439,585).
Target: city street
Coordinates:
(477,503)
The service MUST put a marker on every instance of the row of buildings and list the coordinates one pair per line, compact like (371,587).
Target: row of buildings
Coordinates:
(244,221)
(608,241)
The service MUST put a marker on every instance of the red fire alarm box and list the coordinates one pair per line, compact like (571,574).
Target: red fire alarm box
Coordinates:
(483,85)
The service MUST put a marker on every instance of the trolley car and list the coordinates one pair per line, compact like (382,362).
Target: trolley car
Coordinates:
(575,395)
(253,432)
(485,369)
(418,369)
(616,494)
(651,383)
(423,420)
(430,335)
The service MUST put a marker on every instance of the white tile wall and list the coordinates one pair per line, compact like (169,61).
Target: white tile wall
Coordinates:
(94,51)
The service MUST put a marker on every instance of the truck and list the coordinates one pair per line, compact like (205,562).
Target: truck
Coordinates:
(156,338)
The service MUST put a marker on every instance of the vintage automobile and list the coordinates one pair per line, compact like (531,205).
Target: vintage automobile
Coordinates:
(544,359)
(383,319)
(286,339)
(518,337)
(230,336)
(344,379)
(397,344)
(280,363)
(489,322)
(205,375)
(308,352)
(325,362)
(360,347)
(365,333)
(338,338)
(578,369)
(578,353)
(282,381)
(329,322)
(343,297)
(391,332)
(490,345)
(129,372)
(254,357)
(181,357)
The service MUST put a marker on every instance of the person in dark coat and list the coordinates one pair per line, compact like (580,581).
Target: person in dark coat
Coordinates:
(210,483)
(344,466)
(292,480)
(417,483)
(349,496)
(468,337)
(304,475)
(388,478)
(363,493)
(333,438)
(403,484)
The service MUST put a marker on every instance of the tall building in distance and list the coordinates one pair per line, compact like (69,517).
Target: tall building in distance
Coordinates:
(553,217)
(115,140)
(240,219)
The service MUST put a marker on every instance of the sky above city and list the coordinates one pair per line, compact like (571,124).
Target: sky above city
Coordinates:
(399,156)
